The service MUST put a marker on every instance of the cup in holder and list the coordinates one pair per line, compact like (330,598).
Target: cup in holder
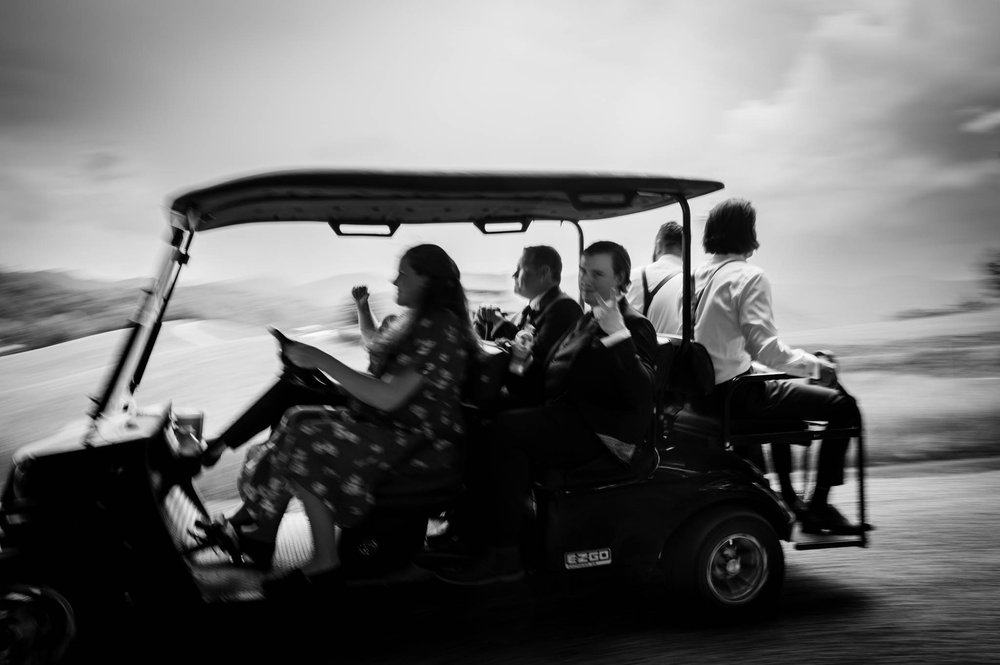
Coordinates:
(188,425)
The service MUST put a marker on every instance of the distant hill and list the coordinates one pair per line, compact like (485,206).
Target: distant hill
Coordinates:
(48,307)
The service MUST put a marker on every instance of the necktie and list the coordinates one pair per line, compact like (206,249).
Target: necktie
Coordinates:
(527,316)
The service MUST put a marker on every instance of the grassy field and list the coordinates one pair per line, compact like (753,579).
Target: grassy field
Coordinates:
(927,388)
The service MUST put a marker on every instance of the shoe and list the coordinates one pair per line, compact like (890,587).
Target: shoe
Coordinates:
(795,504)
(453,545)
(218,533)
(255,553)
(448,555)
(490,569)
(296,584)
(242,549)
(827,520)
(212,452)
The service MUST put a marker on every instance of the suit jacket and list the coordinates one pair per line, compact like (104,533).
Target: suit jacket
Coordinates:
(609,387)
(557,314)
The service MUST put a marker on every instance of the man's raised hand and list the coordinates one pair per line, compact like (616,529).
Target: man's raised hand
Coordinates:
(608,315)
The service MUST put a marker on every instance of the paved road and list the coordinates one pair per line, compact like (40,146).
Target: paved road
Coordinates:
(927,590)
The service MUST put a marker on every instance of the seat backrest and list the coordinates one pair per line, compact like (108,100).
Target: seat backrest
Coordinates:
(667,348)
(665,399)
(684,369)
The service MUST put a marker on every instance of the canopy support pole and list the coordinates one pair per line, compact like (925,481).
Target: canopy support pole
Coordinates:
(143,328)
(687,325)
(579,249)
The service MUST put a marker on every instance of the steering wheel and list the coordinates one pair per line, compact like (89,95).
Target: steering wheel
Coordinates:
(309,378)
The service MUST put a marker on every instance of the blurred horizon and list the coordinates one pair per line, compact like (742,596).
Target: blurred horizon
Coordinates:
(799,304)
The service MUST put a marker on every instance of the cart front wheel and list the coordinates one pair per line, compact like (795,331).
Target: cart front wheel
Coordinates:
(37,625)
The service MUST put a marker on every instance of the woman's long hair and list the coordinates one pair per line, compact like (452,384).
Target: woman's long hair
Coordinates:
(444,287)
(443,291)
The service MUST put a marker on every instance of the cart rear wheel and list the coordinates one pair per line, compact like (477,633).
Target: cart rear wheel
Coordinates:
(729,561)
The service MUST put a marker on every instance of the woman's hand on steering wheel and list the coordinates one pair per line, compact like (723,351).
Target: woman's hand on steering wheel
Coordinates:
(297,354)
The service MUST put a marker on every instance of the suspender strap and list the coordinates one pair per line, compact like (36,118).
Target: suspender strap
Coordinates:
(697,299)
(647,295)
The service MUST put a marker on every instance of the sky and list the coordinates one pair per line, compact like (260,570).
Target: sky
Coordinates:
(866,133)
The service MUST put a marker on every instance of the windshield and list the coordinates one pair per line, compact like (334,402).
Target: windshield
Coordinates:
(308,261)
(298,277)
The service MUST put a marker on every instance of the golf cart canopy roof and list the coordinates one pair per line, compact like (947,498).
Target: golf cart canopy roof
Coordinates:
(398,197)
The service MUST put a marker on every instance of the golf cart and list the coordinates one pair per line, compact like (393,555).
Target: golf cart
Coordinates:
(102,524)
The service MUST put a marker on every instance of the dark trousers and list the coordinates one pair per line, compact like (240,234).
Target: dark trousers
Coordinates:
(790,400)
(266,412)
(520,446)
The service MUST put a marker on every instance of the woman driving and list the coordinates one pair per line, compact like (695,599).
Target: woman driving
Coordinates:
(403,415)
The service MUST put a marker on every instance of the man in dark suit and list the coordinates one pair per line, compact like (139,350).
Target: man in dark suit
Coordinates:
(598,397)
(550,313)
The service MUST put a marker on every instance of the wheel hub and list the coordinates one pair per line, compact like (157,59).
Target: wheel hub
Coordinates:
(732,562)
(738,569)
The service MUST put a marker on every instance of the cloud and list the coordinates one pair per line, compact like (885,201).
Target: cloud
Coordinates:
(861,164)
(30,90)
(105,165)
(984,122)
(96,208)
(54,182)
(871,103)
(24,202)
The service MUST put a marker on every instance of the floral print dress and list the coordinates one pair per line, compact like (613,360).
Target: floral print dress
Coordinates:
(339,454)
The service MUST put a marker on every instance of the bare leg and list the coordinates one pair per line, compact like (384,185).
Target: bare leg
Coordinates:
(325,534)
(265,530)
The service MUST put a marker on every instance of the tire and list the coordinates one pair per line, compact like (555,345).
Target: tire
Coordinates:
(37,625)
(728,561)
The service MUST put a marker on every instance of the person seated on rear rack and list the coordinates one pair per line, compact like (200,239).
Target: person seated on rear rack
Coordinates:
(735,323)
(549,314)
(598,399)
(404,416)
(656,288)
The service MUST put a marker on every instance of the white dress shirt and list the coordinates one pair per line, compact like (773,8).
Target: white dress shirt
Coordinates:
(665,310)
(735,323)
